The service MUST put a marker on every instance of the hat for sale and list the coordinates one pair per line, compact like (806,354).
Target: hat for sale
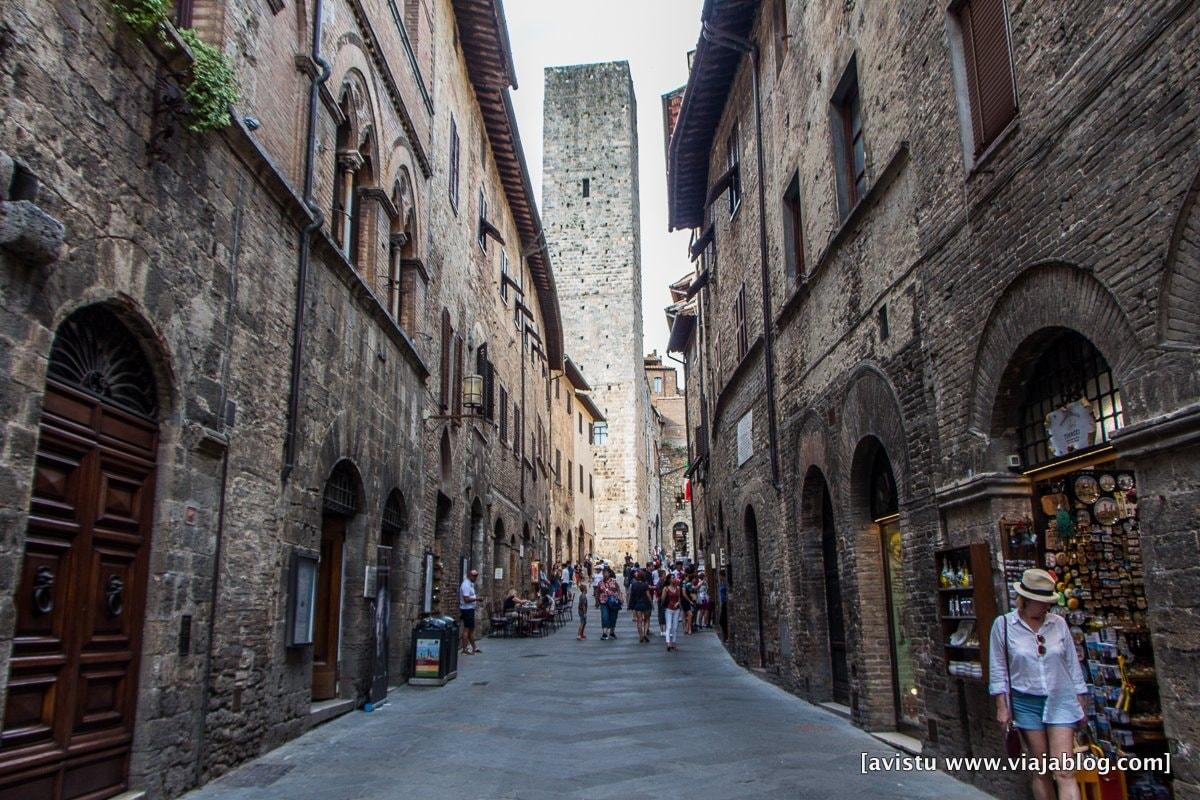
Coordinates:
(1036,584)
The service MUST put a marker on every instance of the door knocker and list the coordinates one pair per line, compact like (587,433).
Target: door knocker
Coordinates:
(43,591)
(114,596)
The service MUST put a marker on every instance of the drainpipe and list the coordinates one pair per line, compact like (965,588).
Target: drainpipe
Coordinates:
(298,321)
(747,47)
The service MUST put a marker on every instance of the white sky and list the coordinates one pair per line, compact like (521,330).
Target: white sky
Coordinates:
(654,36)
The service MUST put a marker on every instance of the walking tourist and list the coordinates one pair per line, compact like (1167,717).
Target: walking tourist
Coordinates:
(723,597)
(610,604)
(672,598)
(583,609)
(660,583)
(640,604)
(1037,681)
(705,603)
(688,603)
(466,609)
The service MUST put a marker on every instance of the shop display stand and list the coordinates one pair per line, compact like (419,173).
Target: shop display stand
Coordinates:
(966,608)
(1092,543)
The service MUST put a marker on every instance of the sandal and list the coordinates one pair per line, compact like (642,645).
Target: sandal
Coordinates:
(476,651)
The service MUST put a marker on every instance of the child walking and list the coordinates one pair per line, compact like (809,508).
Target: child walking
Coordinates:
(583,607)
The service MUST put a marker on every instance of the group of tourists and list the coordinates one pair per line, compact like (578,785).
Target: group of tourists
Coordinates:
(679,592)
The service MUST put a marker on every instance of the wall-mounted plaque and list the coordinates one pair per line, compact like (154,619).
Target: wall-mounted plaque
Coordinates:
(302,597)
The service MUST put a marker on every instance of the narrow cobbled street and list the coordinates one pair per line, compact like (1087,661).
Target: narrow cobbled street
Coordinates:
(554,717)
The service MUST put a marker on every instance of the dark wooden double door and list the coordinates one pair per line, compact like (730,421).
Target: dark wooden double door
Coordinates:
(72,689)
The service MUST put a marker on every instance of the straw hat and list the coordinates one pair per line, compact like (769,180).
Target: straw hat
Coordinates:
(1036,584)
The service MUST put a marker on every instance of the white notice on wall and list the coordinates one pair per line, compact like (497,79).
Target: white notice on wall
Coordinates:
(499,574)
(745,446)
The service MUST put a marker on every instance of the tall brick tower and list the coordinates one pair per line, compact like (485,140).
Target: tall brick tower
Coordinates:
(592,224)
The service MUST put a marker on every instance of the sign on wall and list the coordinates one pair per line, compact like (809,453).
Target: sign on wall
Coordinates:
(745,444)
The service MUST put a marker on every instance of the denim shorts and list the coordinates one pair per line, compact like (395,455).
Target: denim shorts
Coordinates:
(1028,710)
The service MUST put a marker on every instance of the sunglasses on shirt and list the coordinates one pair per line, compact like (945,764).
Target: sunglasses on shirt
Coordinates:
(1041,640)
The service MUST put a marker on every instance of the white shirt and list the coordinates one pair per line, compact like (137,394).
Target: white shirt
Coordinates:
(467,589)
(1056,675)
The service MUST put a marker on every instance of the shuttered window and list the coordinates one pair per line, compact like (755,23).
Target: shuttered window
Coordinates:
(503,415)
(458,374)
(793,230)
(988,61)
(483,368)
(454,155)
(739,322)
(447,341)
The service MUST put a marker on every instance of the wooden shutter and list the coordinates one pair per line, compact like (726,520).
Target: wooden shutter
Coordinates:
(739,321)
(989,69)
(458,373)
(447,333)
(503,415)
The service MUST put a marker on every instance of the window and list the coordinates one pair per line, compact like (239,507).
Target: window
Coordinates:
(481,235)
(986,58)
(849,145)
(657,385)
(504,277)
(558,466)
(793,231)
(587,187)
(570,476)
(458,374)
(503,415)
(556,392)
(516,429)
(591,487)
(581,478)
(580,415)
(447,343)
(733,163)
(483,368)
(739,322)
(353,171)
(569,406)
(600,433)
(884,329)
(1069,368)
(454,155)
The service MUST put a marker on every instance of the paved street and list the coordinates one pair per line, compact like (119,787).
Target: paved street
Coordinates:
(558,718)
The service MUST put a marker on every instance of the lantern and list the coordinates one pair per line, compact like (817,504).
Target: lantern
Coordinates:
(473,391)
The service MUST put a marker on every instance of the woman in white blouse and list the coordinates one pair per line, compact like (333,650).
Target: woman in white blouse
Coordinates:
(1042,670)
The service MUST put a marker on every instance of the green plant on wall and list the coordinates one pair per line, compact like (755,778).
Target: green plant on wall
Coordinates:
(213,87)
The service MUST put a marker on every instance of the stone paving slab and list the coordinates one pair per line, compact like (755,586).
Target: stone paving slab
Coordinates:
(558,718)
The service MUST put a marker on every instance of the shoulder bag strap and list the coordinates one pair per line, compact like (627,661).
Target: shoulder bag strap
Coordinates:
(1007,666)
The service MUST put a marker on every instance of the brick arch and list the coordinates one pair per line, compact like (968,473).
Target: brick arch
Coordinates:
(1179,292)
(1042,297)
(351,66)
(871,407)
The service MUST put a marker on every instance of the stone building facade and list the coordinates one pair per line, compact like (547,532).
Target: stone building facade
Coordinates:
(677,537)
(590,193)
(571,466)
(920,261)
(235,369)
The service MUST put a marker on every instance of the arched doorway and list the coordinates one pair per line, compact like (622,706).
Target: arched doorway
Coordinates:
(391,533)
(818,530)
(339,504)
(558,544)
(755,580)
(73,672)
(885,513)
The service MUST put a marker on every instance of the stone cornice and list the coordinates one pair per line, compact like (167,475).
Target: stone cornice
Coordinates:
(1179,428)
(981,487)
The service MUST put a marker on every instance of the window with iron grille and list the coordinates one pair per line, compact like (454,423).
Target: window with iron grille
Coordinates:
(454,156)
(793,231)
(733,150)
(849,143)
(1070,368)
(987,62)
(739,322)
(341,491)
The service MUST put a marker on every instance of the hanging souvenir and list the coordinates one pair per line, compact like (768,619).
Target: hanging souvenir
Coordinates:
(1107,482)
(1125,481)
(1071,427)
(1087,488)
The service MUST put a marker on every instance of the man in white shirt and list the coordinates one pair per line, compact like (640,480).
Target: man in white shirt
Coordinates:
(466,609)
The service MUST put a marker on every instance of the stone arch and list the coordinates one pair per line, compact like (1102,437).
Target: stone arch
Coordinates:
(1179,290)
(871,408)
(1045,297)
(754,578)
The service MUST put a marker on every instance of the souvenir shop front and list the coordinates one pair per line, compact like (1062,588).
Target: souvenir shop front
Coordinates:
(1078,517)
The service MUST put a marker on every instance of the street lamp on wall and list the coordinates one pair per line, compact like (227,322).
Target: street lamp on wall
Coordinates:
(473,391)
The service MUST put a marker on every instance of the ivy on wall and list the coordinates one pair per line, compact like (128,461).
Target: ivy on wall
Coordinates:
(211,87)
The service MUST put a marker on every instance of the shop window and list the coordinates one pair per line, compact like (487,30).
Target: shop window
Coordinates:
(849,145)
(1069,371)
(985,58)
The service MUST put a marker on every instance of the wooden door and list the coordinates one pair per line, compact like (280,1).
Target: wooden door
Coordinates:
(72,690)
(380,674)
(327,621)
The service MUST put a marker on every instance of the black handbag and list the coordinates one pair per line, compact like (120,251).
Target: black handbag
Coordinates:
(1012,736)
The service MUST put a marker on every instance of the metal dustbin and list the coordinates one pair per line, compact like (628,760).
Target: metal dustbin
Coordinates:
(434,658)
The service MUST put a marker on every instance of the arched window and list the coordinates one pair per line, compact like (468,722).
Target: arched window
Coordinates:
(354,172)
(1069,370)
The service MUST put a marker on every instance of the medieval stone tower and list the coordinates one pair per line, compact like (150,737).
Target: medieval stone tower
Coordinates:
(592,224)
